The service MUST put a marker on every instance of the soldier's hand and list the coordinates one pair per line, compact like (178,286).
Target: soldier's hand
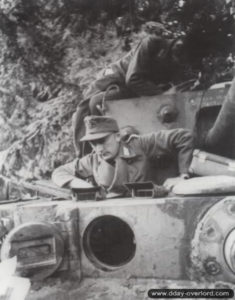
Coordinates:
(160,191)
(77,183)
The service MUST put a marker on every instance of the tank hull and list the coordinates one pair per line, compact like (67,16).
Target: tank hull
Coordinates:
(163,235)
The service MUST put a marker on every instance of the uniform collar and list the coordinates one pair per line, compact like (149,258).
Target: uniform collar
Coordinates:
(125,152)
(165,51)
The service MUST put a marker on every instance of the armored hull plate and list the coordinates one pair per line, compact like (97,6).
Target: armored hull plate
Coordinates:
(165,111)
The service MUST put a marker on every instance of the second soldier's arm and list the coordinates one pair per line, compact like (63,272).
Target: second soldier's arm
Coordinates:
(172,142)
(74,174)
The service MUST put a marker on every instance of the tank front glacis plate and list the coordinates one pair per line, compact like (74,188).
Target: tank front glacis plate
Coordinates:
(148,238)
(116,289)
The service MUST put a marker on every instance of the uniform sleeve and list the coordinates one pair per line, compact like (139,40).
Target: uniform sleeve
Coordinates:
(137,76)
(172,142)
(78,168)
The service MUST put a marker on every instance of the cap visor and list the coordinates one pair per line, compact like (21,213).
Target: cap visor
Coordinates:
(95,136)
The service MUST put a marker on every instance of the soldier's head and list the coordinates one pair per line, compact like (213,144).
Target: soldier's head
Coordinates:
(103,135)
(178,50)
(152,27)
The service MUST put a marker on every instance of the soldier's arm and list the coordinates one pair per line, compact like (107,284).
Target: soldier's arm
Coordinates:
(137,76)
(73,174)
(170,142)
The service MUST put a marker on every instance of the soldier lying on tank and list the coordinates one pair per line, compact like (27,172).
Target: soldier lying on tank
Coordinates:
(150,69)
(114,162)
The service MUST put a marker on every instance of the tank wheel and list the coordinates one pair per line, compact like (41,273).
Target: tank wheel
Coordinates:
(213,244)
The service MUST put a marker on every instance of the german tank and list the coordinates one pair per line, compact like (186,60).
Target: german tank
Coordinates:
(119,248)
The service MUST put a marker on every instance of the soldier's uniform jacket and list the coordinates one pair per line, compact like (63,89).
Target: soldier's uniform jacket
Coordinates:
(142,69)
(156,156)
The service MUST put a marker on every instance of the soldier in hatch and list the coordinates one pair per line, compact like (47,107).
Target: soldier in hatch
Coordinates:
(114,162)
(150,69)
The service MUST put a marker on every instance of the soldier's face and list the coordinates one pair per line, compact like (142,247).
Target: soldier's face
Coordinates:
(176,52)
(107,147)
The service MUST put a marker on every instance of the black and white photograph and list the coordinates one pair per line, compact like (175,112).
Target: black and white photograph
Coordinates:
(117,149)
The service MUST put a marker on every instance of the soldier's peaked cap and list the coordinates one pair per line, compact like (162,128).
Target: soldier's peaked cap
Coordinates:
(98,127)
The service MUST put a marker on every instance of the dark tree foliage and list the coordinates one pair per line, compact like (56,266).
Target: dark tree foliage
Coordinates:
(211,29)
